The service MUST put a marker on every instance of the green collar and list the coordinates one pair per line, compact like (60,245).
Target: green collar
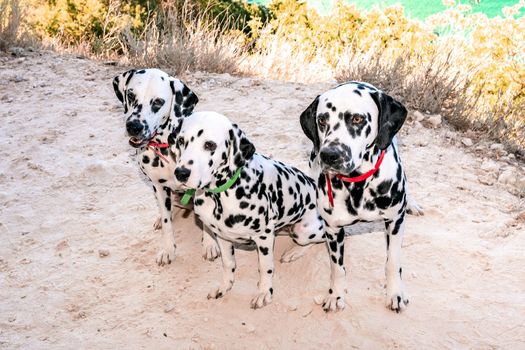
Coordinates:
(189,193)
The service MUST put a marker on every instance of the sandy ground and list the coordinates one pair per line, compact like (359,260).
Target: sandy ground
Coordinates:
(70,190)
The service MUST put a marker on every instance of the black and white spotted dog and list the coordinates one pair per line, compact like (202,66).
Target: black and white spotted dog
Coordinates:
(266,196)
(153,101)
(350,126)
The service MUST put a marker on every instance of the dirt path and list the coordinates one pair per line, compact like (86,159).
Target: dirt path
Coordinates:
(70,190)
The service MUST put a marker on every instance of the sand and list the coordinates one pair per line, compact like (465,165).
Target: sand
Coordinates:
(77,244)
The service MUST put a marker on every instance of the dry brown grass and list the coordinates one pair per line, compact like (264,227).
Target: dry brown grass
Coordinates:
(10,21)
(188,41)
(436,85)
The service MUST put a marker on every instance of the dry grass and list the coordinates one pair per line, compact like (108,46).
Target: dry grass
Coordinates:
(10,21)
(436,85)
(189,41)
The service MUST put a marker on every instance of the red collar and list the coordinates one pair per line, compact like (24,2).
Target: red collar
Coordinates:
(359,178)
(155,146)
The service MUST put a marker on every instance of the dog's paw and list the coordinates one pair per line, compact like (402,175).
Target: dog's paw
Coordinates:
(262,299)
(218,292)
(414,209)
(157,225)
(210,250)
(293,253)
(396,302)
(332,303)
(165,256)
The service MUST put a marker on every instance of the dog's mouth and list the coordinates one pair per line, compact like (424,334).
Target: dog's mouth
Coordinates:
(136,141)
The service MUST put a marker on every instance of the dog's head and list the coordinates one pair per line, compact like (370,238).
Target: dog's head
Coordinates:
(208,147)
(150,97)
(347,121)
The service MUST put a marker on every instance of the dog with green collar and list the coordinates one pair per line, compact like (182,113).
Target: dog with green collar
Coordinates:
(242,196)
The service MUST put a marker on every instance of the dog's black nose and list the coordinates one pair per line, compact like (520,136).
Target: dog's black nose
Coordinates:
(134,127)
(182,174)
(329,156)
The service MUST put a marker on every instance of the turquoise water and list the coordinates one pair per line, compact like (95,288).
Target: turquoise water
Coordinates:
(420,9)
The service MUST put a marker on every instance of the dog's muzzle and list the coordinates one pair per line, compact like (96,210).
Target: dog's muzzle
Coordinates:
(135,129)
(334,160)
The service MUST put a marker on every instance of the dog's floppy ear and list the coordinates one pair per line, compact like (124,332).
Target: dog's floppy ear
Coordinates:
(185,99)
(392,115)
(241,149)
(309,123)
(120,82)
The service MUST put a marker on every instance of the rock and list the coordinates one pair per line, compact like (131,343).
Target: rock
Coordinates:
(521,216)
(507,177)
(432,121)
(103,253)
(497,147)
(168,308)
(521,182)
(486,180)
(467,142)
(16,51)
(250,329)
(418,116)
(490,166)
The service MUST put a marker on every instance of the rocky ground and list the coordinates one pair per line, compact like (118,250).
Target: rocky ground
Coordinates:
(77,248)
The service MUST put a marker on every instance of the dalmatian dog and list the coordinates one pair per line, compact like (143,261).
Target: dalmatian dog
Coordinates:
(153,102)
(359,177)
(242,196)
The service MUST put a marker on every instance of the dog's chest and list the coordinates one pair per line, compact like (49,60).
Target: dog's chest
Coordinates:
(226,217)
(353,203)
(158,170)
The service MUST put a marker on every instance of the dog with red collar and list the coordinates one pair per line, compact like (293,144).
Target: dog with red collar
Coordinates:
(153,102)
(359,177)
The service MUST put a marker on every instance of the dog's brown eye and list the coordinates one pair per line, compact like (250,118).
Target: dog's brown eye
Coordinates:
(322,120)
(210,146)
(357,119)
(158,102)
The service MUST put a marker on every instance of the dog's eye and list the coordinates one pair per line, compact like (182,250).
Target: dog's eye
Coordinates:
(357,119)
(158,102)
(180,141)
(322,120)
(131,96)
(210,146)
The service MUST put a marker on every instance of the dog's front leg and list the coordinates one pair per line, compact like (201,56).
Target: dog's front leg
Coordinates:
(266,269)
(166,252)
(210,248)
(228,268)
(395,296)
(335,241)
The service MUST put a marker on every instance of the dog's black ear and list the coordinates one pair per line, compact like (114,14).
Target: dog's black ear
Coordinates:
(392,115)
(241,149)
(309,123)
(185,99)
(120,82)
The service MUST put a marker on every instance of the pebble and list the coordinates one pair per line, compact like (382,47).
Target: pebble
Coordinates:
(250,329)
(521,216)
(168,308)
(467,142)
(507,177)
(103,253)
